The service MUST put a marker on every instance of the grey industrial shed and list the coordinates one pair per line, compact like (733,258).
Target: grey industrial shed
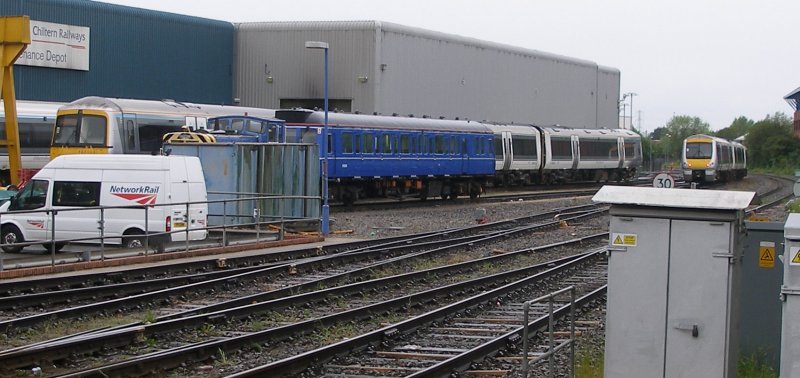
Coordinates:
(133,53)
(385,68)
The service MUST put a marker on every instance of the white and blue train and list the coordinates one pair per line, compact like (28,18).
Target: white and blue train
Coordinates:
(376,155)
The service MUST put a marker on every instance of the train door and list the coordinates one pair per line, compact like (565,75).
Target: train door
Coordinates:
(130,138)
(576,151)
(508,150)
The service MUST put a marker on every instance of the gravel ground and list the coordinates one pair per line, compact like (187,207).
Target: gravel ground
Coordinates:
(437,215)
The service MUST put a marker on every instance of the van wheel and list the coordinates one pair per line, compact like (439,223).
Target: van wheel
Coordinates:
(10,235)
(133,239)
(58,247)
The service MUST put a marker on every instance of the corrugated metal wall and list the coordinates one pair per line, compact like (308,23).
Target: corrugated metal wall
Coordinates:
(277,50)
(442,75)
(421,72)
(608,96)
(134,53)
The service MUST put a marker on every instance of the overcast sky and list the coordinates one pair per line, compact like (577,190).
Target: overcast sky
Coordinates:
(713,59)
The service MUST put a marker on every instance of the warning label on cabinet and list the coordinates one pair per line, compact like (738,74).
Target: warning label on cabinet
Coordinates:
(766,255)
(623,240)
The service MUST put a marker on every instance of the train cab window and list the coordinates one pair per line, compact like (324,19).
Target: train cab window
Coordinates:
(561,148)
(698,150)
(405,144)
(347,143)
(632,149)
(80,130)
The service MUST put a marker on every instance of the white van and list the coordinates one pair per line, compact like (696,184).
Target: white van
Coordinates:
(75,187)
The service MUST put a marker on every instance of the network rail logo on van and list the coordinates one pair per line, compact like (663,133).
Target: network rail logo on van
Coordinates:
(142,194)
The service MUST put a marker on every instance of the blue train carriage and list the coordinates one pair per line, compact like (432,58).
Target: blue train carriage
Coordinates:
(599,155)
(374,156)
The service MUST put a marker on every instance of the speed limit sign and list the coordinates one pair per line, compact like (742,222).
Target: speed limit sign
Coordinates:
(663,180)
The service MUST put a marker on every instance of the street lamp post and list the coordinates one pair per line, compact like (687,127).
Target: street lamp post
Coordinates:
(630,94)
(325,227)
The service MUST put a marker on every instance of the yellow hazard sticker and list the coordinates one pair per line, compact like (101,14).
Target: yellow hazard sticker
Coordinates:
(794,252)
(766,255)
(623,240)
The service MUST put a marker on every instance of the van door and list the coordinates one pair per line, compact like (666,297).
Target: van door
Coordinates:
(35,226)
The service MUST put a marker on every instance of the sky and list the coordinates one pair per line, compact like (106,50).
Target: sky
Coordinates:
(712,59)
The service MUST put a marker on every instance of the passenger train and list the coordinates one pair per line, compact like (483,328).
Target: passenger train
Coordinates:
(710,159)
(371,155)
(97,125)
(374,155)
(36,120)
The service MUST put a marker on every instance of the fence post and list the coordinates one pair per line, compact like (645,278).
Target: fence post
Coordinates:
(186,219)
(526,309)
(146,229)
(52,237)
(224,221)
(102,224)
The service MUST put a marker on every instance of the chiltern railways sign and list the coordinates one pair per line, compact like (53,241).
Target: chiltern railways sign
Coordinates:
(57,46)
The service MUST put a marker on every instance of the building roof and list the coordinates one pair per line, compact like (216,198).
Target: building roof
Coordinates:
(793,98)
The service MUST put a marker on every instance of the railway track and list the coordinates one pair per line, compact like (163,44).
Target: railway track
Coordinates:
(449,339)
(102,337)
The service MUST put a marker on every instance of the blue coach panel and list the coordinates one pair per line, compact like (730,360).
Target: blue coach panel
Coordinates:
(133,53)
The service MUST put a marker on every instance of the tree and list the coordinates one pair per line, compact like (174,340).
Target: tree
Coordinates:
(771,144)
(739,127)
(676,130)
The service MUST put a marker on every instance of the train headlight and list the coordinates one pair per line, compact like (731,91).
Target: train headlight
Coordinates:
(710,164)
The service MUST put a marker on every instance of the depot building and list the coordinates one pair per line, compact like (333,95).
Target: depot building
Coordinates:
(87,48)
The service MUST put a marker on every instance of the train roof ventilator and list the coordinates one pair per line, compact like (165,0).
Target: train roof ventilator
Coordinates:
(674,265)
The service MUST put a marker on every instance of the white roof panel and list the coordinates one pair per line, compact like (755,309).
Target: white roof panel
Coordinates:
(678,198)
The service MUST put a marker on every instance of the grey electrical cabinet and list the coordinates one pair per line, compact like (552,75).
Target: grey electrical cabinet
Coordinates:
(790,292)
(672,279)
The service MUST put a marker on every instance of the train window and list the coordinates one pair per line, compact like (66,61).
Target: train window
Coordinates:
(359,142)
(438,144)
(561,148)
(698,150)
(602,149)
(524,147)
(498,147)
(369,144)
(386,143)
(405,144)
(75,193)
(347,143)
(463,146)
(631,152)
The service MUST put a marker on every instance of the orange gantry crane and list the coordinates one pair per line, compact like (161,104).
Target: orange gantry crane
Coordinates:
(15,36)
